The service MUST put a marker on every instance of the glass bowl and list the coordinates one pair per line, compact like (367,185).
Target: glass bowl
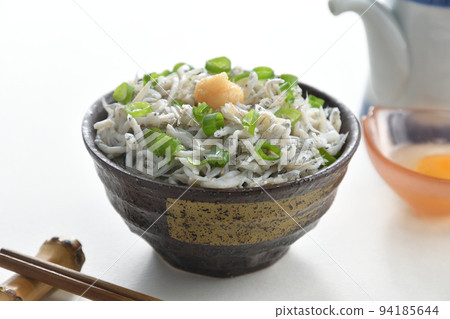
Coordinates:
(396,138)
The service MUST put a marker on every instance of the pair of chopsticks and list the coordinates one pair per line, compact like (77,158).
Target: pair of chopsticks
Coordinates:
(67,279)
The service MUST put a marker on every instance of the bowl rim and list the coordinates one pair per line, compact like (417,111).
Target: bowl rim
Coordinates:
(352,143)
(373,111)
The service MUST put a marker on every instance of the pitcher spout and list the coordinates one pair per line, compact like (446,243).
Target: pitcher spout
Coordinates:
(339,6)
(388,49)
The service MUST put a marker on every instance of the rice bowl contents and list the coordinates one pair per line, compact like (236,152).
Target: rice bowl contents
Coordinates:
(219,127)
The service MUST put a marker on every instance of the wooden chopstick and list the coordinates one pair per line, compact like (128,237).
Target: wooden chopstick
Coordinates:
(57,280)
(131,294)
(67,279)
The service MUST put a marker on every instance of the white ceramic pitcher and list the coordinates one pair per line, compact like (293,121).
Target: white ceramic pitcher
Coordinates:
(409,50)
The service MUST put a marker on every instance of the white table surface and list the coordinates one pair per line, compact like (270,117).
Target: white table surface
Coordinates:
(55,61)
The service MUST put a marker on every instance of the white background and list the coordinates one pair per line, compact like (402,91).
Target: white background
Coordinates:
(55,61)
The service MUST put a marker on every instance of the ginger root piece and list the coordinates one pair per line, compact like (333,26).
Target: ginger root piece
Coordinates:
(216,90)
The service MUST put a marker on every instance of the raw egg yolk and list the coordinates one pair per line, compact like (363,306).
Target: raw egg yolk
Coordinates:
(435,165)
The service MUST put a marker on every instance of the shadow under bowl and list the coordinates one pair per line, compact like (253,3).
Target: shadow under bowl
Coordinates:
(388,129)
(220,232)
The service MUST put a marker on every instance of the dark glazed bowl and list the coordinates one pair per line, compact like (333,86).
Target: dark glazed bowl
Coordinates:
(216,232)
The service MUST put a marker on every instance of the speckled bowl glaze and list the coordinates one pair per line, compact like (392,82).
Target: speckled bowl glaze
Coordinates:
(221,233)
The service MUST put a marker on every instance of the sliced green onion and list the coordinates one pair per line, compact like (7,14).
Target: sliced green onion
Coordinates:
(240,77)
(329,158)
(212,122)
(138,109)
(176,102)
(201,110)
(145,79)
(179,65)
(289,81)
(190,161)
(165,73)
(315,101)
(150,77)
(178,148)
(160,143)
(249,121)
(123,93)
(264,73)
(290,114)
(152,130)
(266,146)
(290,97)
(217,158)
(218,65)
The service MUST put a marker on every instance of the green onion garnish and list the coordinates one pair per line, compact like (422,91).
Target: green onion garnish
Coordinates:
(290,97)
(329,158)
(145,79)
(212,122)
(290,114)
(165,73)
(264,73)
(218,65)
(249,121)
(201,110)
(289,81)
(266,146)
(123,93)
(176,102)
(161,144)
(315,101)
(240,77)
(217,158)
(138,109)
(150,77)
(152,130)
(178,65)
(190,161)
